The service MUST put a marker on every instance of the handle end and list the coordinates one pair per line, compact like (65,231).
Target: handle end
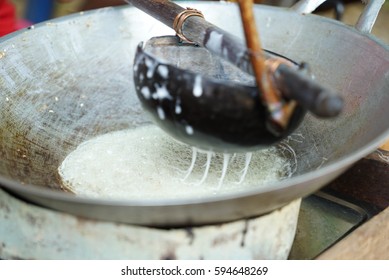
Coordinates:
(319,100)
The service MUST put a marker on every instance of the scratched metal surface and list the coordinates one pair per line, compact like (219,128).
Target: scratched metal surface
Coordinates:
(66,81)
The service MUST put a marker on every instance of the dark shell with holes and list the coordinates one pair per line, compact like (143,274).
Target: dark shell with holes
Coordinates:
(206,106)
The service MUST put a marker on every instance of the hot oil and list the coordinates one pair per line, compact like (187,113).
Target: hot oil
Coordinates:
(145,163)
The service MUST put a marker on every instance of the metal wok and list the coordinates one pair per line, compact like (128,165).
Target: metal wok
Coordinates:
(70,79)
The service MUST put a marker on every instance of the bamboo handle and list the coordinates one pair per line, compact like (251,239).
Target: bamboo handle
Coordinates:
(385,146)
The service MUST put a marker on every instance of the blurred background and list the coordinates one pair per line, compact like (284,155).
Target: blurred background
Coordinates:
(34,11)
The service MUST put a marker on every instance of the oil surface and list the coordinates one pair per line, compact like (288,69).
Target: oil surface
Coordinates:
(145,163)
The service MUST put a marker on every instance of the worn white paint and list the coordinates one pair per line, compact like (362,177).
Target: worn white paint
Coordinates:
(178,109)
(146,92)
(215,41)
(163,71)
(189,130)
(161,113)
(198,87)
(161,93)
(56,235)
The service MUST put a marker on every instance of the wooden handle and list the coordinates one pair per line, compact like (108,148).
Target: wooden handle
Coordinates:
(162,10)
(385,146)
(231,48)
(308,93)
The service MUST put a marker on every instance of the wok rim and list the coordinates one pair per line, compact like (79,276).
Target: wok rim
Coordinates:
(337,165)
(343,162)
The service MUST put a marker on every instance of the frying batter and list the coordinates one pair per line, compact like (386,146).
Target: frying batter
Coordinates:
(146,163)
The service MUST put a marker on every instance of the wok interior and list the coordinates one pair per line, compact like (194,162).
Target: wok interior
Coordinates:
(67,81)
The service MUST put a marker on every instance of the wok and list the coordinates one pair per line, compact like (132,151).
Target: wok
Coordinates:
(65,81)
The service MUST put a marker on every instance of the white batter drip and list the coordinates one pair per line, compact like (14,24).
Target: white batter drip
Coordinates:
(146,163)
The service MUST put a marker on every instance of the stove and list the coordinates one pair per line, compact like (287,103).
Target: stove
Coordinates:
(325,218)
